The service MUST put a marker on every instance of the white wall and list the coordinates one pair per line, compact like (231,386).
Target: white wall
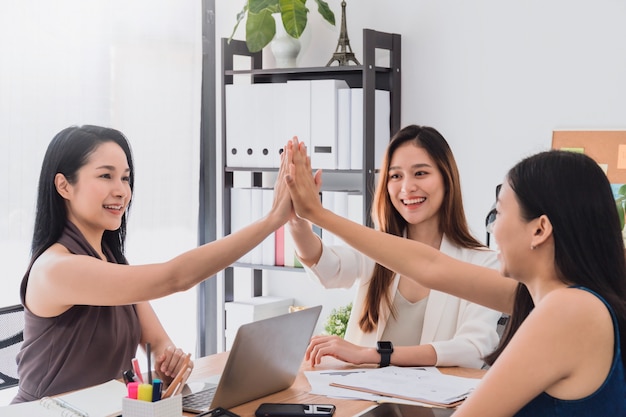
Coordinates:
(494,77)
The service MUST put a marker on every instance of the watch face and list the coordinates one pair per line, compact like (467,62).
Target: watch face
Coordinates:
(385,345)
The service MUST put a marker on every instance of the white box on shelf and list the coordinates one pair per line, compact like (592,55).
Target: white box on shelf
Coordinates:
(253,309)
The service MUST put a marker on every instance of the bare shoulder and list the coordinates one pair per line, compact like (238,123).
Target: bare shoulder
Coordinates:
(54,257)
(575,307)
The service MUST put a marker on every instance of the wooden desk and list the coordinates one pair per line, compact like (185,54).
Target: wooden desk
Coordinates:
(299,391)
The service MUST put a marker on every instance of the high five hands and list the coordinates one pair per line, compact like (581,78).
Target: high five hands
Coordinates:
(303,186)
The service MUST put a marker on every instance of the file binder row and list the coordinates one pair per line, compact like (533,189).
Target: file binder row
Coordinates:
(326,115)
(278,249)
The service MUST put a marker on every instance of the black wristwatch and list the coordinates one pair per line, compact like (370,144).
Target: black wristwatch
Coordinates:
(385,348)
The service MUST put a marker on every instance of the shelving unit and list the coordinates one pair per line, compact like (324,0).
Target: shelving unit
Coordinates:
(367,76)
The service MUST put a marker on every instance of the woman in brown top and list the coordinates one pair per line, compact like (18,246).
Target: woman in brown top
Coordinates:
(87,311)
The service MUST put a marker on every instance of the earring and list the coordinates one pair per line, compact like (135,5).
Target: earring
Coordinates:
(533,247)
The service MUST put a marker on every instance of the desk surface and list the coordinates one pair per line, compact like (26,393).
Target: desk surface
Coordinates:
(299,391)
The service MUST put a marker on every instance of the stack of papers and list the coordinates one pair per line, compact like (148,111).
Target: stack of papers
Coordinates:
(423,385)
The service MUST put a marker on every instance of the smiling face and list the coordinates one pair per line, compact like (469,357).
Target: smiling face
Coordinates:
(415,185)
(513,235)
(101,193)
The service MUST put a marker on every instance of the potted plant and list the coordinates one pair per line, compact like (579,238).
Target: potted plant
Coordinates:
(261,26)
(337,322)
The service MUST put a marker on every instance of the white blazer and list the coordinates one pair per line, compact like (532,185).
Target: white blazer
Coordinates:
(461,333)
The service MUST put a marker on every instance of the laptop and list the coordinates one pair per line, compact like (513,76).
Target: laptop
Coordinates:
(265,358)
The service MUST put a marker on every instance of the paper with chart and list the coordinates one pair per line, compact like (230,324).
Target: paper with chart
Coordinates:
(414,384)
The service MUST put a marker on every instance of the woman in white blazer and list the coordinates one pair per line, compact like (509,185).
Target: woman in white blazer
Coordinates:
(395,320)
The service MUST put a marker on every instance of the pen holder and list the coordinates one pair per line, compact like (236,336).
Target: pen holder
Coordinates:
(168,407)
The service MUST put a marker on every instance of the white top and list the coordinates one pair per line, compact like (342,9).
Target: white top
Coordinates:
(461,333)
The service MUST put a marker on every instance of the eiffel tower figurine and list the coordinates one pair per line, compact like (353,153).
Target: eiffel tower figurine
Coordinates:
(343,54)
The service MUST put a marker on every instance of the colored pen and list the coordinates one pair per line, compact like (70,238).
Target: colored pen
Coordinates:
(172,387)
(129,376)
(149,363)
(183,381)
(157,387)
(137,370)
(145,392)
(133,388)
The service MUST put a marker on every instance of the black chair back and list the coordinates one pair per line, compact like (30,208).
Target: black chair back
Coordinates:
(11,338)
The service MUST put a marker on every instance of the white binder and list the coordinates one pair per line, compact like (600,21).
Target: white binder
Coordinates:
(343,128)
(381,134)
(269,244)
(263,127)
(239,107)
(293,114)
(324,109)
(240,214)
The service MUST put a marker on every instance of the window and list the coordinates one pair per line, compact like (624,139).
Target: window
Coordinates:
(134,66)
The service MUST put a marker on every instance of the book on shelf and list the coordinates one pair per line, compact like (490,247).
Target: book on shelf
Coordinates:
(104,400)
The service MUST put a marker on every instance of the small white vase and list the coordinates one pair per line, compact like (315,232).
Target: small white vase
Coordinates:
(284,48)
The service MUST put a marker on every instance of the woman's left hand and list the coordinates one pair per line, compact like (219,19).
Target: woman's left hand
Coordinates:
(335,346)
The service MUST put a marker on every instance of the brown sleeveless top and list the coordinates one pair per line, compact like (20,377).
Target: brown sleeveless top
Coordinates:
(84,346)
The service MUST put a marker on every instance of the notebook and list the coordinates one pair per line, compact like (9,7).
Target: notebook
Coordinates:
(102,400)
(265,358)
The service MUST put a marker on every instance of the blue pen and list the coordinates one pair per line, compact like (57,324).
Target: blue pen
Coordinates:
(157,386)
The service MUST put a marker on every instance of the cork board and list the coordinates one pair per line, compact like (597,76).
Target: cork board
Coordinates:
(606,147)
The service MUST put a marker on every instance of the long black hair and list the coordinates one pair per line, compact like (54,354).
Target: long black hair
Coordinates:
(68,151)
(575,194)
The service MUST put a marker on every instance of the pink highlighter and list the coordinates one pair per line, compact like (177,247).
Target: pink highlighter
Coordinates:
(133,388)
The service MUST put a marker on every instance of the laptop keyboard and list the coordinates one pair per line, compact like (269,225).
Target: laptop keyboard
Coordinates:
(199,400)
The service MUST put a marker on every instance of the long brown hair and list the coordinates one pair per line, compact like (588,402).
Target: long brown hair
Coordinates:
(452,221)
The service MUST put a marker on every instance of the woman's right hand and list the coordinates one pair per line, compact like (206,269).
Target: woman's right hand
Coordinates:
(303,186)
(338,348)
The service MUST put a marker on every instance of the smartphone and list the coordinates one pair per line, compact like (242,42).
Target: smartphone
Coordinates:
(218,412)
(294,410)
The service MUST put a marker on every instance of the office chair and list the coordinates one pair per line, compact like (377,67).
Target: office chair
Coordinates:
(491,217)
(11,338)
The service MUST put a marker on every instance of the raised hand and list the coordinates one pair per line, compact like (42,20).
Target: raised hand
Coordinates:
(302,185)
(282,199)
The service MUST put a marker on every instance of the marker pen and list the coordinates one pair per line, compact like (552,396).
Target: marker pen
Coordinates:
(129,376)
(137,370)
(133,388)
(145,392)
(157,387)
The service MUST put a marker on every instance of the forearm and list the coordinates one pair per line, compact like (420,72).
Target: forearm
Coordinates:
(426,265)
(418,355)
(308,245)
(193,266)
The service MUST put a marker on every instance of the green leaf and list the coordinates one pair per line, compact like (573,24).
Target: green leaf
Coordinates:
(622,190)
(257,6)
(294,16)
(620,213)
(260,30)
(325,11)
